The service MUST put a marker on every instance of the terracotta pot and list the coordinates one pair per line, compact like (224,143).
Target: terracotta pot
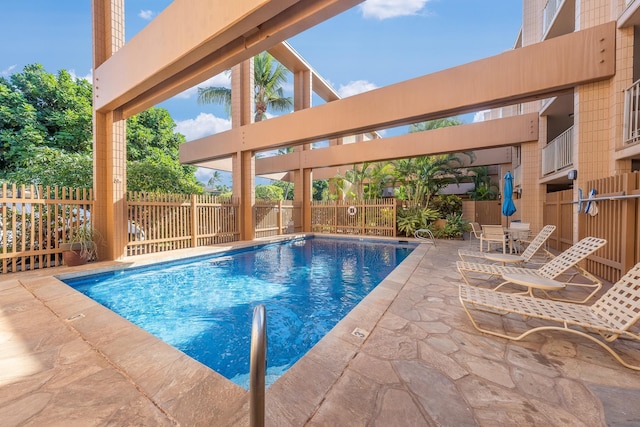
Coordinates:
(440,223)
(73,253)
(73,258)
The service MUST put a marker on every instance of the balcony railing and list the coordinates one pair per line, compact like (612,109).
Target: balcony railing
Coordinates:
(550,11)
(558,154)
(631,130)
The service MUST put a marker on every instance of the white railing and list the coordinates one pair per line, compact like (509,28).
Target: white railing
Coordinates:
(558,154)
(550,11)
(631,129)
(517,176)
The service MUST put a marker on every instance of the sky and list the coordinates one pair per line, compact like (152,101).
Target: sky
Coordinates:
(374,44)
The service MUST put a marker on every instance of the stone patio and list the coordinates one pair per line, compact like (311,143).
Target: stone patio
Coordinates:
(66,360)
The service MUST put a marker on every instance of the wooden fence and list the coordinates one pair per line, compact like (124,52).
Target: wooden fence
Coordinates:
(35,220)
(618,221)
(558,211)
(366,217)
(275,217)
(165,222)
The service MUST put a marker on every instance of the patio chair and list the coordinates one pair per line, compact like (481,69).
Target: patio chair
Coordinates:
(610,317)
(543,278)
(476,231)
(534,246)
(493,234)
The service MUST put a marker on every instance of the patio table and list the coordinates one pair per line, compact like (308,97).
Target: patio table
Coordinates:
(531,282)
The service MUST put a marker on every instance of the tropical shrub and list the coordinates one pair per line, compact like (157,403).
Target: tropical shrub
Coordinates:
(454,227)
(446,204)
(415,217)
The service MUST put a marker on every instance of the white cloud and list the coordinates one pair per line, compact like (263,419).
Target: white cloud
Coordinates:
(355,87)
(220,80)
(8,71)
(479,116)
(203,125)
(384,9)
(88,77)
(146,14)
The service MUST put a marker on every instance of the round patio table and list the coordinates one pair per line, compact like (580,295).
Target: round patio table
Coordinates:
(531,282)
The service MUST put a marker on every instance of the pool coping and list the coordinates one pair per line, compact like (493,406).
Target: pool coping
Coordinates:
(183,390)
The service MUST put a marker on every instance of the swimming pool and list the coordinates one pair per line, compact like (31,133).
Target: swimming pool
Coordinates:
(203,306)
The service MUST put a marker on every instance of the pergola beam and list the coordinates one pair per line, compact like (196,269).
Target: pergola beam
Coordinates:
(453,139)
(520,75)
(158,63)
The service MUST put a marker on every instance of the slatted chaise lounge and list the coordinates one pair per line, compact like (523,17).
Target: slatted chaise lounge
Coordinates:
(543,278)
(610,317)
(526,256)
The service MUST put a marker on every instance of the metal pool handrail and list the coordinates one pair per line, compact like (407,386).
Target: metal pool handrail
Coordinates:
(258,366)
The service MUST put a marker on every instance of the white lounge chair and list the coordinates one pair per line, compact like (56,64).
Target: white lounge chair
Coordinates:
(543,278)
(526,256)
(608,319)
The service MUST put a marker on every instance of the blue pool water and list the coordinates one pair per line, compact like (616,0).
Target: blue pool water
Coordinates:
(203,306)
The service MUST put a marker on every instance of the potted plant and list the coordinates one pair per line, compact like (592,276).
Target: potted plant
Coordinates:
(81,246)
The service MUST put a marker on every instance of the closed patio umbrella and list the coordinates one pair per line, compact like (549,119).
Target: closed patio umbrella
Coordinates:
(508,208)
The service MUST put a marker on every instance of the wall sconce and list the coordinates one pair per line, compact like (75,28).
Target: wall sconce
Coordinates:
(572,175)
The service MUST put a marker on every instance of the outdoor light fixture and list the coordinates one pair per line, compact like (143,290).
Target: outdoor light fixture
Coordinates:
(572,175)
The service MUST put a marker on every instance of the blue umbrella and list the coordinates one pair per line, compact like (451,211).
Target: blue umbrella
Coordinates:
(508,208)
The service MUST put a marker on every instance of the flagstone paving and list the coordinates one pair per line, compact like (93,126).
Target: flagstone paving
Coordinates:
(66,360)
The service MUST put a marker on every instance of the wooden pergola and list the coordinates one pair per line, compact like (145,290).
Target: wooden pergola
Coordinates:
(191,41)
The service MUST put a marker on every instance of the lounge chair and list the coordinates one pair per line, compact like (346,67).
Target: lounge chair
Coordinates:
(532,249)
(543,278)
(610,317)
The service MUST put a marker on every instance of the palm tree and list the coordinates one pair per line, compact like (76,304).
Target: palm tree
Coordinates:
(269,76)
(483,189)
(215,178)
(424,176)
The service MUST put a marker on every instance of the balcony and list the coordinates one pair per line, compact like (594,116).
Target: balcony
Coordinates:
(631,129)
(558,154)
(631,14)
(558,18)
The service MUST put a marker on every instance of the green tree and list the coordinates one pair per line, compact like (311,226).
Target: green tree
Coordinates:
(51,167)
(152,155)
(269,192)
(216,177)
(46,136)
(483,188)
(424,176)
(287,188)
(269,76)
(160,173)
(320,189)
(435,124)
(40,109)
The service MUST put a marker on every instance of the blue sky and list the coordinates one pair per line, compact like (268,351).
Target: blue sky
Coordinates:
(375,44)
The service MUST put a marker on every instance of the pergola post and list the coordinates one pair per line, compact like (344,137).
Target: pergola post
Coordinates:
(243,165)
(302,179)
(109,215)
